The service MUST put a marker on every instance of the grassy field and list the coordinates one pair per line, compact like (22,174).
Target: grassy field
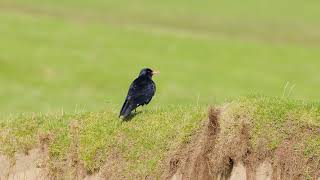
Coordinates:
(83,55)
(71,63)
(141,145)
(93,137)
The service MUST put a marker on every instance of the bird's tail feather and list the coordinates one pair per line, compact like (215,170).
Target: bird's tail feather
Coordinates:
(123,106)
(126,109)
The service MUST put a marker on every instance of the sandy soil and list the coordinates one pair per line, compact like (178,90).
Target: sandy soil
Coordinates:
(26,167)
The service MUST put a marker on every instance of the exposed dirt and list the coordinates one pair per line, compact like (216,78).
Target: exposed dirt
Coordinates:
(24,167)
(71,167)
(4,167)
(216,151)
(191,160)
(225,153)
(113,169)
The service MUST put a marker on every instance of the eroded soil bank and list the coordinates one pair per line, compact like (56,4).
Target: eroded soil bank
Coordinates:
(224,152)
(220,150)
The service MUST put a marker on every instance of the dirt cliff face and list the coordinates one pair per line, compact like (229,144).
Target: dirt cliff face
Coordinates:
(191,160)
(222,150)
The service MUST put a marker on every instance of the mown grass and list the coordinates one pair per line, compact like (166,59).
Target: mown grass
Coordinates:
(93,137)
(272,11)
(58,56)
(83,55)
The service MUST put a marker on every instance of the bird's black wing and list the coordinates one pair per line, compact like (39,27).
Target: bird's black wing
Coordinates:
(127,105)
(151,90)
(140,92)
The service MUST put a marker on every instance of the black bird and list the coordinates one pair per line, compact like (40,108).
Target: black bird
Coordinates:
(140,92)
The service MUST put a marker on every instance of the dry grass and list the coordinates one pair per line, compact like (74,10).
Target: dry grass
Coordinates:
(252,131)
(249,130)
(85,143)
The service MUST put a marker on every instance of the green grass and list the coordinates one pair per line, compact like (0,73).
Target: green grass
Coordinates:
(74,60)
(272,121)
(67,62)
(139,146)
(282,131)
(272,11)
(93,137)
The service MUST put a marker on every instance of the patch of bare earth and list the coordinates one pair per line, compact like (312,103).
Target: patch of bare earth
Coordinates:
(113,169)
(219,150)
(71,167)
(222,151)
(23,166)
(190,161)
(37,164)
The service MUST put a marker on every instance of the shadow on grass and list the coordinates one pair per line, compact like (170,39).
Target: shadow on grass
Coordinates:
(131,116)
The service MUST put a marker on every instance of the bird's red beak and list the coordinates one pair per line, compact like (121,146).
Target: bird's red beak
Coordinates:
(155,72)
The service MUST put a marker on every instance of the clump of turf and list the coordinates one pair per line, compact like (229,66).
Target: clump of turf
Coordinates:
(99,141)
(285,131)
(252,131)
(278,119)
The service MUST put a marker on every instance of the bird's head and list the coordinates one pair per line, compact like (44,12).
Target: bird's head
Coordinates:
(148,72)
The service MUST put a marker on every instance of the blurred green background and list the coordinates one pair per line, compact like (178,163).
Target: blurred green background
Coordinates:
(83,55)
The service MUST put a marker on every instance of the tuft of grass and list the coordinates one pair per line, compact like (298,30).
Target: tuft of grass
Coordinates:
(274,120)
(312,150)
(277,119)
(267,126)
